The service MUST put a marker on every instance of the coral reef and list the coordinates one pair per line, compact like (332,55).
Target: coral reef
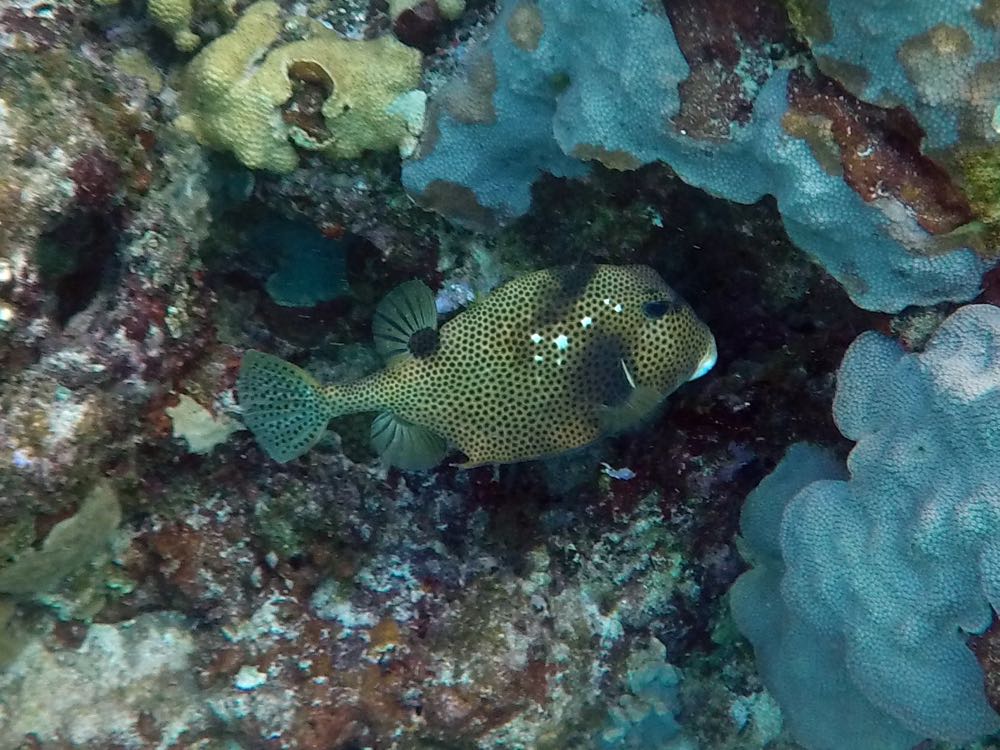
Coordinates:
(940,64)
(876,581)
(938,61)
(174,17)
(184,180)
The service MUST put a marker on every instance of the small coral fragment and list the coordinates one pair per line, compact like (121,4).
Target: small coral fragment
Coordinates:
(324,93)
(201,429)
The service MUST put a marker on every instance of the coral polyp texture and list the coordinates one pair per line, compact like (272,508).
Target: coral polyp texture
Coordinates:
(323,93)
(549,91)
(939,60)
(174,18)
(868,584)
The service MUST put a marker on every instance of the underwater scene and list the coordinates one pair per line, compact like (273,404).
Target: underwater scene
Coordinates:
(499,374)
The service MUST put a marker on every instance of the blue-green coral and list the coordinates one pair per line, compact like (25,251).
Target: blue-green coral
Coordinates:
(644,717)
(867,587)
(548,92)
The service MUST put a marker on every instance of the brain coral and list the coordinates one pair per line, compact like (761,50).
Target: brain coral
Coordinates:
(865,589)
(562,82)
(236,101)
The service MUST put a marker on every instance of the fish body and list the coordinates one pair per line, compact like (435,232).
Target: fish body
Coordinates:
(546,363)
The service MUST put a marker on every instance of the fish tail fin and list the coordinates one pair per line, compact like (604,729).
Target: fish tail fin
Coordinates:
(285,407)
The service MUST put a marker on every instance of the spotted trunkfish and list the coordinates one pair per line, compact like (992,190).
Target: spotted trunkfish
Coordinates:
(544,364)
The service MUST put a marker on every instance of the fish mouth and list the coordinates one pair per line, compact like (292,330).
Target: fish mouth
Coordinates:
(707,361)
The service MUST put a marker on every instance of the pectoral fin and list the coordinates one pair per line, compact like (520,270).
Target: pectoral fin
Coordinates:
(639,402)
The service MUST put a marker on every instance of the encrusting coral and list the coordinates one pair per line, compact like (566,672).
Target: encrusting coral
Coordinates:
(324,93)
(540,96)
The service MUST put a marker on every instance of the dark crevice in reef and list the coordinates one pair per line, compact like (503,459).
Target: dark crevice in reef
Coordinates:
(75,258)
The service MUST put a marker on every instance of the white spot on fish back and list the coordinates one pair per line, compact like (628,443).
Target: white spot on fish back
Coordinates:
(539,358)
(586,321)
(618,307)
(561,341)
(536,338)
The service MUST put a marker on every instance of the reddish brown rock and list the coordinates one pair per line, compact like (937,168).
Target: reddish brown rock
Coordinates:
(987,650)
(724,43)
(877,150)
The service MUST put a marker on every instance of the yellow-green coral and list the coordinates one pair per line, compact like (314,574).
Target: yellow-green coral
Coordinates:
(174,17)
(980,176)
(450,9)
(233,98)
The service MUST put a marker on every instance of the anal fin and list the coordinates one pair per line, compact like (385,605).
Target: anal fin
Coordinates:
(405,444)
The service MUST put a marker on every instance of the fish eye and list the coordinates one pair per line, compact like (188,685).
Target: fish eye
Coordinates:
(655,310)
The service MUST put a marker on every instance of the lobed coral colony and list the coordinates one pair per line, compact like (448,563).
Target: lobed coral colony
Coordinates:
(499,374)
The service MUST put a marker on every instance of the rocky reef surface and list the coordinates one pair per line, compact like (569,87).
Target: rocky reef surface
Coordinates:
(183,180)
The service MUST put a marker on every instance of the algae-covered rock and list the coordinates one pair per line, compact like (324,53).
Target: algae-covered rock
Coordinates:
(91,696)
(324,93)
(134,62)
(69,546)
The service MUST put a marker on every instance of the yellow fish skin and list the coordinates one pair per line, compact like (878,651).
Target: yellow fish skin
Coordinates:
(544,364)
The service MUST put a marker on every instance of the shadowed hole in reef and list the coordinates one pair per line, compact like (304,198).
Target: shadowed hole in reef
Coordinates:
(74,257)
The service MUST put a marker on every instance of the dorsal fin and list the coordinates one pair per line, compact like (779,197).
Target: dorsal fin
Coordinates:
(406,444)
(405,311)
